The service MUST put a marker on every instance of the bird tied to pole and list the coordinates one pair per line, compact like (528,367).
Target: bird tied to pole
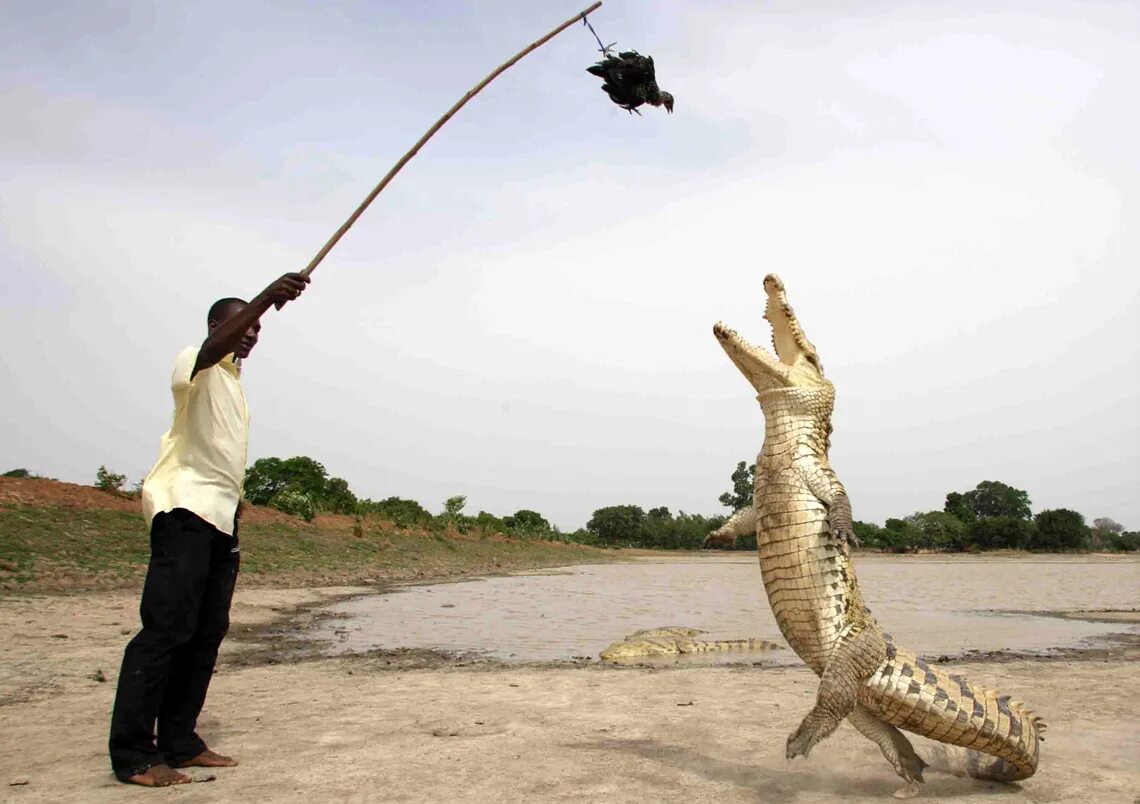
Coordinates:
(471,93)
(629,78)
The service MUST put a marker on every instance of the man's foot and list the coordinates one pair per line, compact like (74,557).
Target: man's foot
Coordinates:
(208,759)
(160,775)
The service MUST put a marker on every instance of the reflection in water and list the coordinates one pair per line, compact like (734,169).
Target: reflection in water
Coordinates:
(936,605)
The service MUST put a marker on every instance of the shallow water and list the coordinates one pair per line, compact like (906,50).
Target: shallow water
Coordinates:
(932,604)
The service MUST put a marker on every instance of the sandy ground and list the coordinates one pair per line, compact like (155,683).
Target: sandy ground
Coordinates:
(376,729)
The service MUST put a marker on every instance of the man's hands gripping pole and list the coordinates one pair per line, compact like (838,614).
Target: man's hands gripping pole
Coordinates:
(286,289)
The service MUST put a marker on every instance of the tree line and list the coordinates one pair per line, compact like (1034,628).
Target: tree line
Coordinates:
(992,516)
(301,486)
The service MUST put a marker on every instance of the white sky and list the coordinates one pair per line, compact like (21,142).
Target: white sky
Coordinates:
(949,191)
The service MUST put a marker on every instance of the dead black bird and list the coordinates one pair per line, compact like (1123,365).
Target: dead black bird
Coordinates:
(630,81)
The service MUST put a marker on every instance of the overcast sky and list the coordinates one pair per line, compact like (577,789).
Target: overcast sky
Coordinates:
(949,191)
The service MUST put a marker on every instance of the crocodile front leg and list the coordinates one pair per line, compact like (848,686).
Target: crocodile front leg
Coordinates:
(822,482)
(741,523)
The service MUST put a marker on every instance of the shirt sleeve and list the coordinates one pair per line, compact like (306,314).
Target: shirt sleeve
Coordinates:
(183,369)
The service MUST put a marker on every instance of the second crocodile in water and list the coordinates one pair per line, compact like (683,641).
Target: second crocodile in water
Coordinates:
(802,519)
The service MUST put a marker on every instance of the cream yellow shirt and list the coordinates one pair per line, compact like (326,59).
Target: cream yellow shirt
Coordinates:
(201,463)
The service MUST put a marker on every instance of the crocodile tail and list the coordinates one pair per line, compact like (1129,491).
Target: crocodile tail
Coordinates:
(910,694)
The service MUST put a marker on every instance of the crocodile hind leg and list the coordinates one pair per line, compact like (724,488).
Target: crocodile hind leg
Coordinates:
(895,747)
(856,656)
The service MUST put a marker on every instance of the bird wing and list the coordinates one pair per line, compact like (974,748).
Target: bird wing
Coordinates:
(637,69)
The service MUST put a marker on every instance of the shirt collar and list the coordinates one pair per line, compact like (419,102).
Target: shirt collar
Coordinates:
(232,364)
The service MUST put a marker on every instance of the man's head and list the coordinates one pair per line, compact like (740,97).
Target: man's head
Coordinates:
(224,309)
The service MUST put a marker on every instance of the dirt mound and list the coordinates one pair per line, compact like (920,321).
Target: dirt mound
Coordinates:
(44,493)
(54,494)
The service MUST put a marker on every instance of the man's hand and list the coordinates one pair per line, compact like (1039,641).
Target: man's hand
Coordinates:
(285,289)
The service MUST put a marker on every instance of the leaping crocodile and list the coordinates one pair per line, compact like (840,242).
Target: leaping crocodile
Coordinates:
(802,519)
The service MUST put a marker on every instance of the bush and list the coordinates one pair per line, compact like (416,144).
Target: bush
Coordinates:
(527,523)
(400,512)
(17,473)
(109,481)
(295,503)
(581,536)
(939,531)
(489,523)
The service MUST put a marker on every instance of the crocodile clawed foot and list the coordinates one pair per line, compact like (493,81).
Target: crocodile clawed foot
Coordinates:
(800,743)
(846,536)
(908,790)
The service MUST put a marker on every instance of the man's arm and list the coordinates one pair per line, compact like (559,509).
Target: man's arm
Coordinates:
(228,335)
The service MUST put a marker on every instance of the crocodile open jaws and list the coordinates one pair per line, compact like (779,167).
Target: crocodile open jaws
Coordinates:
(802,519)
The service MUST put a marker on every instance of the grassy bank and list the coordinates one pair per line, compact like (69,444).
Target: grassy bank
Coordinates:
(74,538)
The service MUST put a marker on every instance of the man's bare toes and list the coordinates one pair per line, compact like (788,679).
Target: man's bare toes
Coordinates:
(161,775)
(209,759)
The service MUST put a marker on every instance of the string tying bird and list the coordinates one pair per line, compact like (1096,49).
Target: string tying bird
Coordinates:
(631,81)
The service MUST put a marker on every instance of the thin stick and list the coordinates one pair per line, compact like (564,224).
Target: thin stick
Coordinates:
(438,124)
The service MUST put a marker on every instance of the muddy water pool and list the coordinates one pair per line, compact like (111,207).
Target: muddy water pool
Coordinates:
(934,604)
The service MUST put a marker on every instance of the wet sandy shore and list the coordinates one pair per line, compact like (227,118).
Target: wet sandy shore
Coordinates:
(409,726)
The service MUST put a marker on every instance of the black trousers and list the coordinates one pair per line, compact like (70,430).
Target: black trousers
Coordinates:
(167,666)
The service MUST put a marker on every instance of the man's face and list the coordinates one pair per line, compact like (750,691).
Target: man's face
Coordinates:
(249,340)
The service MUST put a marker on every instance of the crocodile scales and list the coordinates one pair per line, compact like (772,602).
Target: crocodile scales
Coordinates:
(802,519)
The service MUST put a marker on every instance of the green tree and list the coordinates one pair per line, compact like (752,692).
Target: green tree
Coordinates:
(490,523)
(869,535)
(1124,542)
(743,479)
(959,507)
(617,525)
(108,480)
(1000,533)
(453,506)
(17,473)
(452,514)
(1059,529)
(991,498)
(900,535)
(662,530)
(938,530)
(337,497)
(268,477)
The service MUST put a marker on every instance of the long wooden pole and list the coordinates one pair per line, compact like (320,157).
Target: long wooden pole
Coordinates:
(438,124)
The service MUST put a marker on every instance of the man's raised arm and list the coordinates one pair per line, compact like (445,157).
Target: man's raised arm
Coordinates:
(226,336)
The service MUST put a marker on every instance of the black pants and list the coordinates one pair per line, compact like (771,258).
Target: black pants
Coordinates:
(167,666)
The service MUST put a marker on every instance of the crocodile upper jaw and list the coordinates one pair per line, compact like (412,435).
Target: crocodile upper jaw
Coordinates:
(794,363)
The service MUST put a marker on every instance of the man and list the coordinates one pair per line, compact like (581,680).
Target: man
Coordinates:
(190,499)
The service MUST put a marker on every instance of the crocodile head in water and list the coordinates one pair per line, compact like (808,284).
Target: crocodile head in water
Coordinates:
(795,363)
